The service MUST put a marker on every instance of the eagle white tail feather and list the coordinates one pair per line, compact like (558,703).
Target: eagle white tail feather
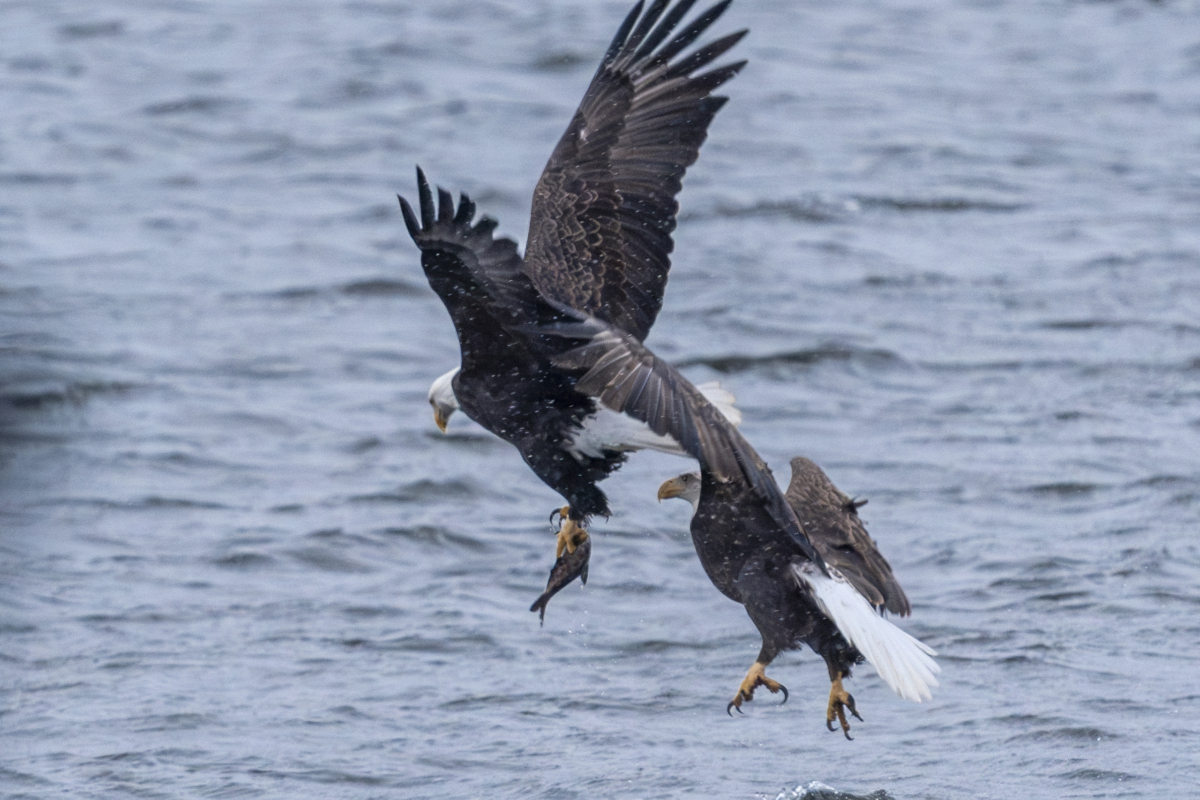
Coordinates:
(610,430)
(904,662)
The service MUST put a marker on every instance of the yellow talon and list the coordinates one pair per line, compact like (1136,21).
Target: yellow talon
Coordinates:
(755,677)
(570,535)
(839,701)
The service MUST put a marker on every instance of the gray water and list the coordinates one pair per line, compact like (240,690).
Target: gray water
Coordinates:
(949,250)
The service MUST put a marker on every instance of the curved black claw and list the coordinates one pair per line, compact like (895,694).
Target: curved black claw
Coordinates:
(845,731)
(732,705)
(783,689)
(556,519)
(850,705)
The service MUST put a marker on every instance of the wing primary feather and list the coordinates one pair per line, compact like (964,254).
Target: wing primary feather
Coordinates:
(713,78)
(619,40)
(664,29)
(604,208)
(647,22)
(708,53)
(628,379)
(410,219)
(654,403)
(689,432)
(466,210)
(691,32)
(445,206)
(637,386)
(616,392)
(426,198)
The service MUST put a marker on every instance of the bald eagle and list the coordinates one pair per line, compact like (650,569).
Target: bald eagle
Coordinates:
(838,614)
(801,563)
(599,245)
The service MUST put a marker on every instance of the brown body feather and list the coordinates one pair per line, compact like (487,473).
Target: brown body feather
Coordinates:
(830,518)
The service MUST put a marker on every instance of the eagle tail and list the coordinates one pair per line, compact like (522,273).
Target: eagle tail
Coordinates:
(904,662)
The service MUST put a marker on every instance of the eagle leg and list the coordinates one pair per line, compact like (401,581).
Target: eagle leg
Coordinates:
(839,701)
(570,535)
(755,677)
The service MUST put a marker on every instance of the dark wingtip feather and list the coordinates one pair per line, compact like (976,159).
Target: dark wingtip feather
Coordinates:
(410,219)
(664,29)
(716,11)
(647,22)
(466,210)
(715,77)
(426,198)
(619,40)
(445,206)
(692,32)
(705,55)
(486,226)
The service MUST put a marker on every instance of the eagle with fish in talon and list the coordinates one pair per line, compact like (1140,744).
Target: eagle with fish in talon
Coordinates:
(801,563)
(569,565)
(599,246)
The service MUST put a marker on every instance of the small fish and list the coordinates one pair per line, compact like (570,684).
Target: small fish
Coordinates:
(567,568)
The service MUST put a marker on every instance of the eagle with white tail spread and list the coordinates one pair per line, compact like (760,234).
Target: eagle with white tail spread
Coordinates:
(836,613)
(553,361)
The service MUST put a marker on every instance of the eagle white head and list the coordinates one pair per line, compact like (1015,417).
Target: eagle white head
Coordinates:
(686,486)
(441,397)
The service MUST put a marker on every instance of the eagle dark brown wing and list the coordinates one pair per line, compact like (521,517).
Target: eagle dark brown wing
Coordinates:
(463,258)
(831,521)
(604,209)
(627,377)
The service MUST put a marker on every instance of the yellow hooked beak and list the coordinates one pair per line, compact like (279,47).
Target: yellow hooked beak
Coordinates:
(672,488)
(439,419)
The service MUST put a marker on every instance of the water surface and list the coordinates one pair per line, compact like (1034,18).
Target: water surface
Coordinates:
(950,251)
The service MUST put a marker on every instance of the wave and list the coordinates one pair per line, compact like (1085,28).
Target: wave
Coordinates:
(820,209)
(367,287)
(75,394)
(806,357)
(935,204)
(815,790)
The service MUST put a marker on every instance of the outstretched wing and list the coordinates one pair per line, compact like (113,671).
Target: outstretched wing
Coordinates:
(604,209)
(625,376)
(831,521)
(465,265)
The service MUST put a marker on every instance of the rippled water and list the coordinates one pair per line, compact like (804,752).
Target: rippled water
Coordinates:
(951,251)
